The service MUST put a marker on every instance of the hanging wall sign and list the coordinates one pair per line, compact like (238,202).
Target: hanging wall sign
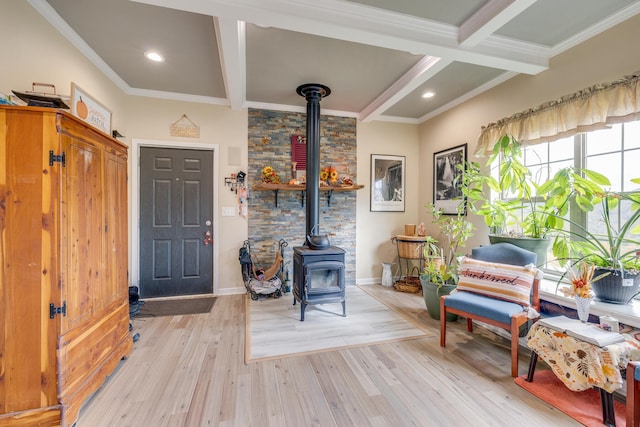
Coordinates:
(88,109)
(184,127)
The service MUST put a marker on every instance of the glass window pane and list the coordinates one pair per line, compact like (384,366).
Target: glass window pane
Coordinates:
(536,154)
(618,216)
(556,166)
(539,173)
(625,214)
(632,135)
(609,165)
(595,222)
(604,155)
(561,149)
(604,141)
(631,169)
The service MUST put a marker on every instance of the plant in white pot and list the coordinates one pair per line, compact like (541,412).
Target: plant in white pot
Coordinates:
(612,249)
(530,207)
(440,274)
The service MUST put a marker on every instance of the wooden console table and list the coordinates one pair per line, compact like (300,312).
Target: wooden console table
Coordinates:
(329,189)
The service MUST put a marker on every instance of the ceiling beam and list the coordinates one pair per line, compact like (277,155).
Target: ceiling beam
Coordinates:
(426,68)
(182,97)
(371,26)
(489,18)
(232,47)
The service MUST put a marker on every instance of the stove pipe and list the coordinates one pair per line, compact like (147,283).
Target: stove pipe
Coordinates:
(313,93)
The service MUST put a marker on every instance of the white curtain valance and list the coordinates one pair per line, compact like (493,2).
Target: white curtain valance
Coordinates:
(593,108)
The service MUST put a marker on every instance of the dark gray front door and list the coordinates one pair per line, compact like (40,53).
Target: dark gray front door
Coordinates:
(176,216)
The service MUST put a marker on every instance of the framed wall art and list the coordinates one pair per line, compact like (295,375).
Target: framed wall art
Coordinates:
(387,183)
(446,174)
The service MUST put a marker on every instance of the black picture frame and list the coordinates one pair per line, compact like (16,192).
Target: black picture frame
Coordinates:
(388,176)
(447,195)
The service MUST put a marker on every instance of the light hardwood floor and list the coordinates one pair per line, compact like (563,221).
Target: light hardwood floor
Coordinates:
(275,329)
(190,371)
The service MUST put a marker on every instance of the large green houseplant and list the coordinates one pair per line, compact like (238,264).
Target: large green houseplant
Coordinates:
(529,206)
(440,274)
(611,248)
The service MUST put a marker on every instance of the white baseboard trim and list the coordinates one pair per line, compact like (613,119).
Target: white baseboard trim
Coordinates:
(231,291)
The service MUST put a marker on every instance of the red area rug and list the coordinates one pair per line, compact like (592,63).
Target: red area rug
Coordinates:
(582,406)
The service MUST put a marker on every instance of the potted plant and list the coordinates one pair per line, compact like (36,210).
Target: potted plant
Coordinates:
(530,207)
(613,251)
(440,274)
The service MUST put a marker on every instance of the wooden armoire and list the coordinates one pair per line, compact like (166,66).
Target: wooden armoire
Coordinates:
(63,246)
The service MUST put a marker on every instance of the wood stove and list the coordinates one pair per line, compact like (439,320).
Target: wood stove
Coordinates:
(318,277)
(318,271)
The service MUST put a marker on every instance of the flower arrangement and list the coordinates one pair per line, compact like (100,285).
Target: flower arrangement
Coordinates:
(270,176)
(329,175)
(581,283)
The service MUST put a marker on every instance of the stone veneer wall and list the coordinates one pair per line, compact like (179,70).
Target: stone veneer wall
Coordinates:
(270,145)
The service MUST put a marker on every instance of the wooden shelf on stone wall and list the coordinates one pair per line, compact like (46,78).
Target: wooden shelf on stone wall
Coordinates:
(302,188)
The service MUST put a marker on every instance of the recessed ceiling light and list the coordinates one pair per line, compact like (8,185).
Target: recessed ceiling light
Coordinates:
(154,56)
(429,94)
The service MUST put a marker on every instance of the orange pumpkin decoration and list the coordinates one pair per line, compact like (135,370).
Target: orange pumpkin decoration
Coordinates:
(81,109)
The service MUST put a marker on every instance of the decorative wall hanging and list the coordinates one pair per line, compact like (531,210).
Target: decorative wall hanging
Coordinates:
(184,127)
(89,109)
(387,183)
(298,157)
(235,181)
(446,176)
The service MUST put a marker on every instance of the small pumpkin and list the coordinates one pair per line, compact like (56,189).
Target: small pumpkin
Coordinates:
(81,109)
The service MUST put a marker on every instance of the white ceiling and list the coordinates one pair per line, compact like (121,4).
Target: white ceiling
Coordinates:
(377,56)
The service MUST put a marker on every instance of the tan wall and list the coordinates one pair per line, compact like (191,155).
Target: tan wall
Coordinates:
(150,119)
(37,52)
(375,229)
(604,58)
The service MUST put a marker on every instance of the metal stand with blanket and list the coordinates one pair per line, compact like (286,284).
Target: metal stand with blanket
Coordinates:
(268,281)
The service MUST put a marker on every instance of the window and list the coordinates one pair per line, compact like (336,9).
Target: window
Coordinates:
(613,152)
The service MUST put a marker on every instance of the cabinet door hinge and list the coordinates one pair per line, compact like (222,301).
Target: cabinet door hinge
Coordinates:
(53,310)
(60,158)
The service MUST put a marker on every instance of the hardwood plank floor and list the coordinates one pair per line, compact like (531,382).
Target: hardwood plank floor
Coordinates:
(276,331)
(190,371)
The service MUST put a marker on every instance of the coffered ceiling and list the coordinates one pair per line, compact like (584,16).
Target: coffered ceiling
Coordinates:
(377,56)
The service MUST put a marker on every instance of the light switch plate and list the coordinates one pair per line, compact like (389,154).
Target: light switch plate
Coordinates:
(227,211)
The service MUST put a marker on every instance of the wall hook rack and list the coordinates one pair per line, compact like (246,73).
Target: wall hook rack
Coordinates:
(235,181)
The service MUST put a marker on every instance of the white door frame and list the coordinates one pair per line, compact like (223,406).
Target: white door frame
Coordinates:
(136,144)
